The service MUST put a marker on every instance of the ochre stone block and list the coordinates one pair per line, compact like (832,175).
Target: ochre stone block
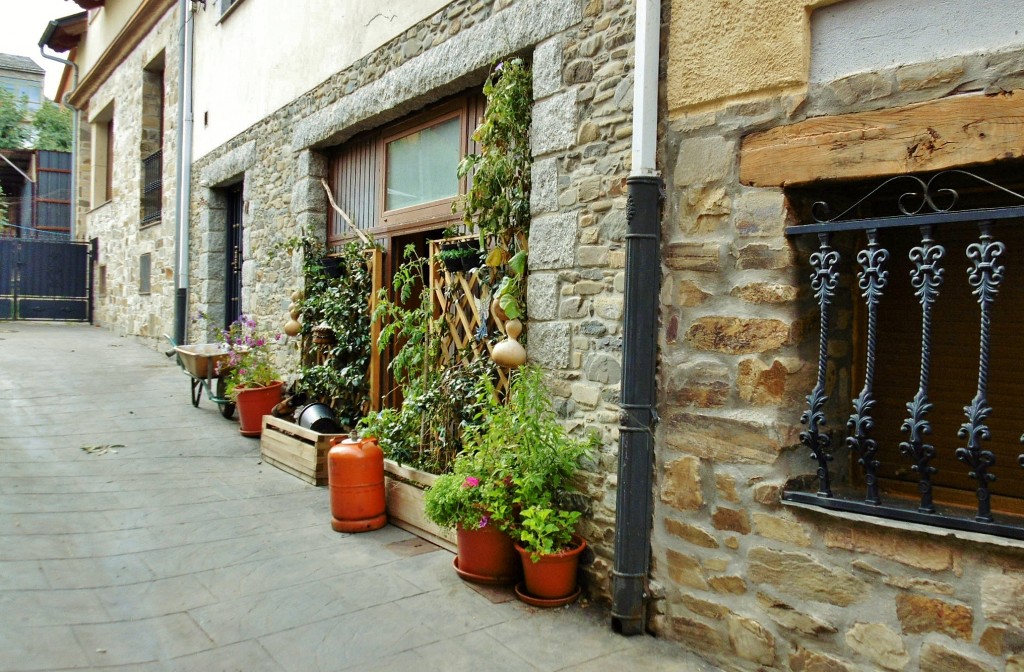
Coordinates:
(918,614)
(685,570)
(927,555)
(766,293)
(703,607)
(804,577)
(768,494)
(692,257)
(738,336)
(751,641)
(733,585)
(790,618)
(785,381)
(681,487)
(1002,599)
(809,661)
(920,585)
(698,637)
(727,440)
(725,486)
(731,519)
(781,529)
(999,641)
(937,658)
(697,536)
(689,294)
(879,644)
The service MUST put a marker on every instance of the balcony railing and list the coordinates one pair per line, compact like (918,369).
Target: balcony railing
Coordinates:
(152,187)
(925,224)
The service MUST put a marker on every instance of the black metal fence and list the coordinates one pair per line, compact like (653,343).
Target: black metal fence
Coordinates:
(924,284)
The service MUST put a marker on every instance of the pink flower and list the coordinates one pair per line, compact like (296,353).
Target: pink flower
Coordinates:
(471,482)
(484,521)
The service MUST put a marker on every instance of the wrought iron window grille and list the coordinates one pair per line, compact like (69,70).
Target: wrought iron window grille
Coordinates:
(928,206)
(152,187)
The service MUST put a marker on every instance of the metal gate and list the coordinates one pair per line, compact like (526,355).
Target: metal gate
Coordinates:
(43,280)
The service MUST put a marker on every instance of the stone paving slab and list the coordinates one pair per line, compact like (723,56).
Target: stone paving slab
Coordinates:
(178,549)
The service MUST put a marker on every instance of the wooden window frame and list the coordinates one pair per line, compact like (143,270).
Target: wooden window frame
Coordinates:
(434,211)
(468,107)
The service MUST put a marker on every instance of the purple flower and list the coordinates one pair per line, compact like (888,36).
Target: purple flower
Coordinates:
(484,520)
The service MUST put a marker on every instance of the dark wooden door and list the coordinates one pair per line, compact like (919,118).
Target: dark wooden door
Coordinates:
(233,277)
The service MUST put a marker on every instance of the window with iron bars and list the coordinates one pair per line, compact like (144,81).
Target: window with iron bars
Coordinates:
(930,427)
(152,187)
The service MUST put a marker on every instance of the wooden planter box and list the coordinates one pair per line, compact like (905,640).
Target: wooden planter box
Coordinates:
(404,488)
(299,451)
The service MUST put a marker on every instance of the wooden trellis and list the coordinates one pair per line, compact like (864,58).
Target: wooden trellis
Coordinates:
(461,304)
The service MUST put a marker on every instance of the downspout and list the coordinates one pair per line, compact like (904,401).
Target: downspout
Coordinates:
(76,114)
(183,172)
(633,499)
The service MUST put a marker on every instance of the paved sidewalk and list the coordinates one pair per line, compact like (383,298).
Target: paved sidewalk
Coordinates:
(171,546)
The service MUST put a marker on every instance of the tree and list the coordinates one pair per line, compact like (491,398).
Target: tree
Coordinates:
(13,133)
(53,127)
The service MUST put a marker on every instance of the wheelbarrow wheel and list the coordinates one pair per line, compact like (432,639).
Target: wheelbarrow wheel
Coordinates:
(227,408)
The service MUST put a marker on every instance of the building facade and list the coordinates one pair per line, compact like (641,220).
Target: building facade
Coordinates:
(757,559)
(771,108)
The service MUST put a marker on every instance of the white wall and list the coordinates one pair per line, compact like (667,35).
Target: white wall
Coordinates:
(104,26)
(868,35)
(266,53)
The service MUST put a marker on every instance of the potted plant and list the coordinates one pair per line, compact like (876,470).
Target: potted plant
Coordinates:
(251,378)
(476,501)
(459,256)
(530,464)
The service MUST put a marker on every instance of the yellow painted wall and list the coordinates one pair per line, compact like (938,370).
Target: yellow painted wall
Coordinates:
(721,51)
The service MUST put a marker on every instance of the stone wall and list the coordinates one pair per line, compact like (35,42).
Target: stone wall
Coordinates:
(740,577)
(116,224)
(582,53)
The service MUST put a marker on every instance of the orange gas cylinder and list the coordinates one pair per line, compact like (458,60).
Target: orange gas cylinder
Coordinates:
(355,475)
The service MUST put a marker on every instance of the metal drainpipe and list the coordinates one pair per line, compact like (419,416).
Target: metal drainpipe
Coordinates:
(633,500)
(74,128)
(183,172)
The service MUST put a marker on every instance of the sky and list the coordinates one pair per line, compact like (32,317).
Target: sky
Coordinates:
(22,23)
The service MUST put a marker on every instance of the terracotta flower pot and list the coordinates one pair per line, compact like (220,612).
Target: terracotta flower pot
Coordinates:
(255,402)
(553,576)
(486,555)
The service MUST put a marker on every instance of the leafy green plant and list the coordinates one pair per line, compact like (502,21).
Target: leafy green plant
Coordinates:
(498,200)
(397,431)
(405,319)
(544,530)
(536,458)
(336,294)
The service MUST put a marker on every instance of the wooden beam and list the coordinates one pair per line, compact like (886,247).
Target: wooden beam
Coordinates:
(965,130)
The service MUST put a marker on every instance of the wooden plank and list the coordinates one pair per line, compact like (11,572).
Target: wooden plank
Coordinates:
(957,131)
(283,466)
(409,474)
(296,450)
(405,510)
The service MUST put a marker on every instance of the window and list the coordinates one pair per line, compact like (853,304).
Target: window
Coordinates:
(932,409)
(152,140)
(226,6)
(145,273)
(102,183)
(403,177)
(102,280)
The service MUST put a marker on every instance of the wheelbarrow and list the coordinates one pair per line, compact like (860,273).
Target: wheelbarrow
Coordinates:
(204,363)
